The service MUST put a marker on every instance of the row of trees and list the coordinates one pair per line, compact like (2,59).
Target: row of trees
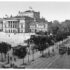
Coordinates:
(19,51)
(4,48)
(59,32)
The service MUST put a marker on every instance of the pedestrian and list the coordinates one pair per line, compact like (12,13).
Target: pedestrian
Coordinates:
(53,51)
(68,51)
(15,59)
(48,52)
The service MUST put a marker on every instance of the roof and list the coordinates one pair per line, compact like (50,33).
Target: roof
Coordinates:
(29,11)
(22,17)
(39,23)
(10,18)
(17,18)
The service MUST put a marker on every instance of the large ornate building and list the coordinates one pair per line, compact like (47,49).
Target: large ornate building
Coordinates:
(24,22)
(30,13)
(18,24)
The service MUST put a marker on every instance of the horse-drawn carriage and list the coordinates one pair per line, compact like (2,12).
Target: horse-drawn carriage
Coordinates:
(68,51)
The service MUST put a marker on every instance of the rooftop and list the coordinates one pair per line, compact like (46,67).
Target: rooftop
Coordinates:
(17,17)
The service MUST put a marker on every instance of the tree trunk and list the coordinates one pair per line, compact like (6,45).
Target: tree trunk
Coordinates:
(28,57)
(48,53)
(1,57)
(23,61)
(33,55)
(5,57)
(28,54)
(42,53)
(8,58)
(15,59)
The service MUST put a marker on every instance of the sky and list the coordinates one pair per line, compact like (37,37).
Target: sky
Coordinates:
(49,10)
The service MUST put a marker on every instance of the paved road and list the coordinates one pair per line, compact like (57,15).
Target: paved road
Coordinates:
(62,62)
(43,62)
(57,61)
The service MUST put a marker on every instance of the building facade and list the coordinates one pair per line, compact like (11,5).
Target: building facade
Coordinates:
(1,24)
(39,26)
(25,22)
(16,24)
(30,13)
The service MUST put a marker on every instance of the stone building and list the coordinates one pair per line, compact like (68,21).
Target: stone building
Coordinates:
(17,24)
(25,22)
(1,24)
(21,22)
(39,26)
(30,13)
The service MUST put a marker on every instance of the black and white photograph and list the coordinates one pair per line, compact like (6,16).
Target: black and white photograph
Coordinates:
(35,34)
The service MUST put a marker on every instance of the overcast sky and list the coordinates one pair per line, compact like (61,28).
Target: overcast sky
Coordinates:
(50,10)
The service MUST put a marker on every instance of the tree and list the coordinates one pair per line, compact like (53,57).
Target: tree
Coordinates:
(54,27)
(66,26)
(28,47)
(4,48)
(40,41)
(41,48)
(1,52)
(31,47)
(20,52)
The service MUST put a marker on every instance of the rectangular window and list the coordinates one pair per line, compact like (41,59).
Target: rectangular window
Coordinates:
(13,26)
(21,26)
(10,21)
(9,31)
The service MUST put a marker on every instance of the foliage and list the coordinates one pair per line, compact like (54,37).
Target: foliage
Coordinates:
(4,47)
(20,51)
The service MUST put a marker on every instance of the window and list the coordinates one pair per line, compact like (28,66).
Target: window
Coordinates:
(8,21)
(13,22)
(22,31)
(13,26)
(9,31)
(21,26)
(5,26)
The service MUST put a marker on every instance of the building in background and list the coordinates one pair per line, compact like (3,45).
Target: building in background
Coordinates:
(30,13)
(39,26)
(17,24)
(25,22)
(1,24)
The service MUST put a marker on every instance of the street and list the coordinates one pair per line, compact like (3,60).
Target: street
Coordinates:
(62,62)
(58,61)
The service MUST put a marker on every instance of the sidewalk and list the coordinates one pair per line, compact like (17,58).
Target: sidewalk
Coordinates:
(42,62)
